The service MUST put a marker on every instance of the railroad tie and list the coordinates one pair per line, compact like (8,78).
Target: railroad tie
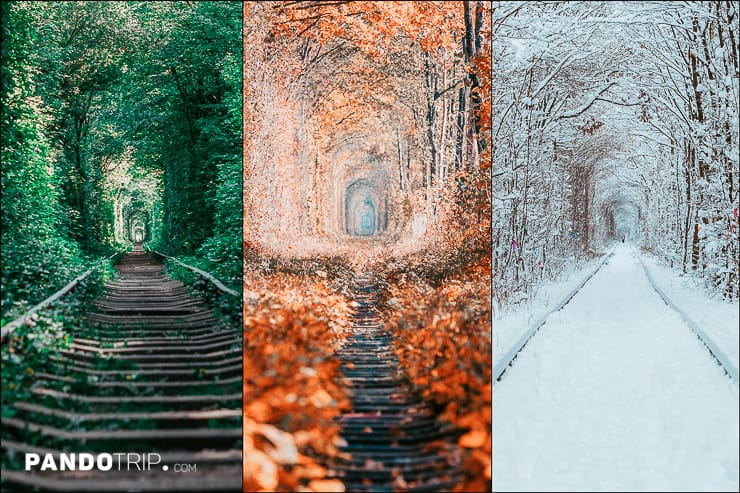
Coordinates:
(393,440)
(151,372)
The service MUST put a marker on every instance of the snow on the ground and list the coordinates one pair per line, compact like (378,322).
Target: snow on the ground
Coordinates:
(509,326)
(615,393)
(719,319)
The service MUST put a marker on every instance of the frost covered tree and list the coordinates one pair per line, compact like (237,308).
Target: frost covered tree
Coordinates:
(614,120)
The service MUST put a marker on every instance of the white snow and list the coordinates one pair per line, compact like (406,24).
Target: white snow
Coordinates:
(509,326)
(615,393)
(720,319)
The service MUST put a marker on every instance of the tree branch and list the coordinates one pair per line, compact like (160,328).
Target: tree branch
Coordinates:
(584,107)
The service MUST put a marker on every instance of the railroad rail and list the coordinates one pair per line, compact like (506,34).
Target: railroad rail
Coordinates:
(200,272)
(393,440)
(10,327)
(508,359)
(151,370)
(714,350)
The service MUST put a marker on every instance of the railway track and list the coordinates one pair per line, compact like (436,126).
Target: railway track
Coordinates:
(504,363)
(393,440)
(151,371)
(722,359)
(712,348)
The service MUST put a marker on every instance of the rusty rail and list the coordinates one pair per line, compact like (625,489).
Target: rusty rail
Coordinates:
(200,272)
(10,327)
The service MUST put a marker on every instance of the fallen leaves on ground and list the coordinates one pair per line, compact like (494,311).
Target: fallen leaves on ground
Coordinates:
(444,345)
(292,384)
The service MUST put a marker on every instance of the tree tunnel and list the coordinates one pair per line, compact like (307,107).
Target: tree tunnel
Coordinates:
(620,215)
(138,232)
(136,222)
(137,229)
(365,211)
(137,210)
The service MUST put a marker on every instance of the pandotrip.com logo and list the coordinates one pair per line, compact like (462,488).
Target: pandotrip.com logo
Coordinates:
(114,461)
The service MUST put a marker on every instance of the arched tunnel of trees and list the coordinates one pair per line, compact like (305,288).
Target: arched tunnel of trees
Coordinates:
(137,228)
(365,209)
(621,218)
(641,144)
(121,123)
(366,181)
(615,122)
(375,140)
(120,133)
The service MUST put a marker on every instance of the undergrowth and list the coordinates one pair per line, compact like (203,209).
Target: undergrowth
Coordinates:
(295,315)
(441,315)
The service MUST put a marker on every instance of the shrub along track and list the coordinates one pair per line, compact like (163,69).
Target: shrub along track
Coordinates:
(152,371)
(393,440)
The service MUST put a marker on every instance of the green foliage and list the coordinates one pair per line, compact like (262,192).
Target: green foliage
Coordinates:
(202,173)
(37,257)
(116,113)
(202,170)
(227,307)
(39,268)
(30,347)
(48,331)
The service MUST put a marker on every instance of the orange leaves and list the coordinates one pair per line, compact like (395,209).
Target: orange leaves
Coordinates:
(473,439)
(281,445)
(328,485)
(329,86)
(291,382)
(260,472)
(372,26)
(483,66)
(320,398)
(444,345)
(279,466)
(258,410)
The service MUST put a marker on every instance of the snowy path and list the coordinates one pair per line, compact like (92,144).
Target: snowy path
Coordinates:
(720,319)
(615,392)
(512,328)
